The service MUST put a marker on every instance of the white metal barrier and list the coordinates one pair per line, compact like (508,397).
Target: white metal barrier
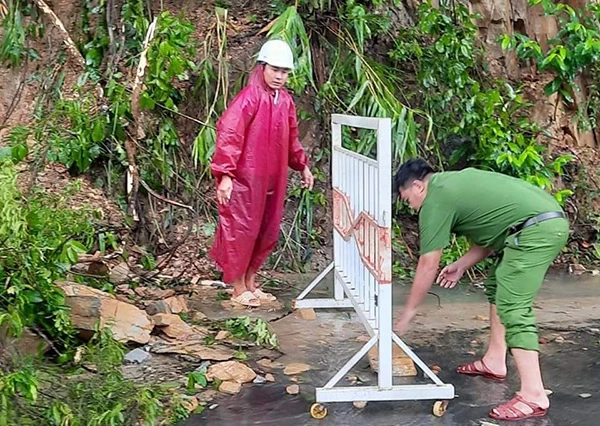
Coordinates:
(362,268)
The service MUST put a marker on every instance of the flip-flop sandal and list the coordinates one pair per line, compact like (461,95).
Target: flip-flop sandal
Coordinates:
(247,299)
(261,295)
(508,410)
(470,369)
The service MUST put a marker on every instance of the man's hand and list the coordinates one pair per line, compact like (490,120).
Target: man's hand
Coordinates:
(308,179)
(402,323)
(450,275)
(224,190)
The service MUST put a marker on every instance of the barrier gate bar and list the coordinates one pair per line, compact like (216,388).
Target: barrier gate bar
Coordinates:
(362,265)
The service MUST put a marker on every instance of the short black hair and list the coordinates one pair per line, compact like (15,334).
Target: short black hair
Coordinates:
(416,169)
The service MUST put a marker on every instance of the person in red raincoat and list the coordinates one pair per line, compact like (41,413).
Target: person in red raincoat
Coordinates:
(257,140)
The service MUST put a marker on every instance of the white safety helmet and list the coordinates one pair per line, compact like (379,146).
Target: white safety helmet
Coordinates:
(277,53)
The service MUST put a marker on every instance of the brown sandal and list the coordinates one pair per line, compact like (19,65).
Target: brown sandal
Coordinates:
(247,299)
(509,411)
(261,295)
(470,369)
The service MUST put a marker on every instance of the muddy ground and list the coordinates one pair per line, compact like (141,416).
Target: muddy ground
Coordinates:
(569,315)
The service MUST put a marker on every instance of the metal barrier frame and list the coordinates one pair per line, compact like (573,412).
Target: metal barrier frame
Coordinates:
(369,294)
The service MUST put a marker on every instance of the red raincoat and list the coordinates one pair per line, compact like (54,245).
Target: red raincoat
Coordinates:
(257,139)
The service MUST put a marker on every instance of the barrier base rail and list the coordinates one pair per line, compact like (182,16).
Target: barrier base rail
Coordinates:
(438,391)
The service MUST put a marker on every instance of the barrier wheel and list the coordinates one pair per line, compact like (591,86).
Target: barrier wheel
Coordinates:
(318,411)
(439,408)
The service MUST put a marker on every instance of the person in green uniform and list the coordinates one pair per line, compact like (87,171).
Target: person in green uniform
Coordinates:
(524,226)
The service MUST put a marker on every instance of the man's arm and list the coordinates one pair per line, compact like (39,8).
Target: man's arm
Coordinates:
(424,278)
(475,255)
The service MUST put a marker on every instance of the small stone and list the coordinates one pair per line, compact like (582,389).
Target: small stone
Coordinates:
(259,380)
(198,316)
(543,341)
(360,404)
(548,392)
(436,369)
(269,377)
(585,395)
(191,403)
(213,406)
(267,363)
(306,314)
(472,353)
(230,387)
(137,356)
(222,335)
(595,330)
(481,318)
(296,368)
(560,339)
(293,389)
(231,370)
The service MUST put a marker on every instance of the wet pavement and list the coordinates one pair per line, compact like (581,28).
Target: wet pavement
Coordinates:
(571,366)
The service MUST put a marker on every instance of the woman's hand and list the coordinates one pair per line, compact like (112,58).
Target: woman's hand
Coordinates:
(224,190)
(308,179)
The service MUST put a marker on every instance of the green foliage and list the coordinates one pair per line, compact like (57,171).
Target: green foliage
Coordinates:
(253,329)
(574,52)
(169,59)
(39,239)
(34,393)
(197,377)
(488,118)
(76,134)
(22,21)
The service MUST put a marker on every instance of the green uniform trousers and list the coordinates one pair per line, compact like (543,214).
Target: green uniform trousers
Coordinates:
(515,280)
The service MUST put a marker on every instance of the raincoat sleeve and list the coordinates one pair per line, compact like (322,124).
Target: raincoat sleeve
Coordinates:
(231,133)
(296,157)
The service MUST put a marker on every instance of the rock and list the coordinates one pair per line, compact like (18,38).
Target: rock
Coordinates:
(293,389)
(269,377)
(259,380)
(360,404)
(212,283)
(543,340)
(125,289)
(195,348)
(171,305)
(436,369)
(560,339)
(230,387)
(548,392)
(306,314)
(173,326)
(207,395)
(222,335)
(190,403)
(585,395)
(595,330)
(178,304)
(267,363)
(231,371)
(198,316)
(90,306)
(363,338)
(402,365)
(154,293)
(213,406)
(27,344)
(481,318)
(296,368)
(120,274)
(137,356)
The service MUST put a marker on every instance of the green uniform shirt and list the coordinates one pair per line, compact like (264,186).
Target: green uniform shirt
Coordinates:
(478,204)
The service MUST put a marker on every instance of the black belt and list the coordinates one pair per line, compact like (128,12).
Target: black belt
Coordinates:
(542,217)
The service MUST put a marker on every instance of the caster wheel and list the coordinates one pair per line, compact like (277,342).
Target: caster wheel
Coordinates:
(439,408)
(318,411)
